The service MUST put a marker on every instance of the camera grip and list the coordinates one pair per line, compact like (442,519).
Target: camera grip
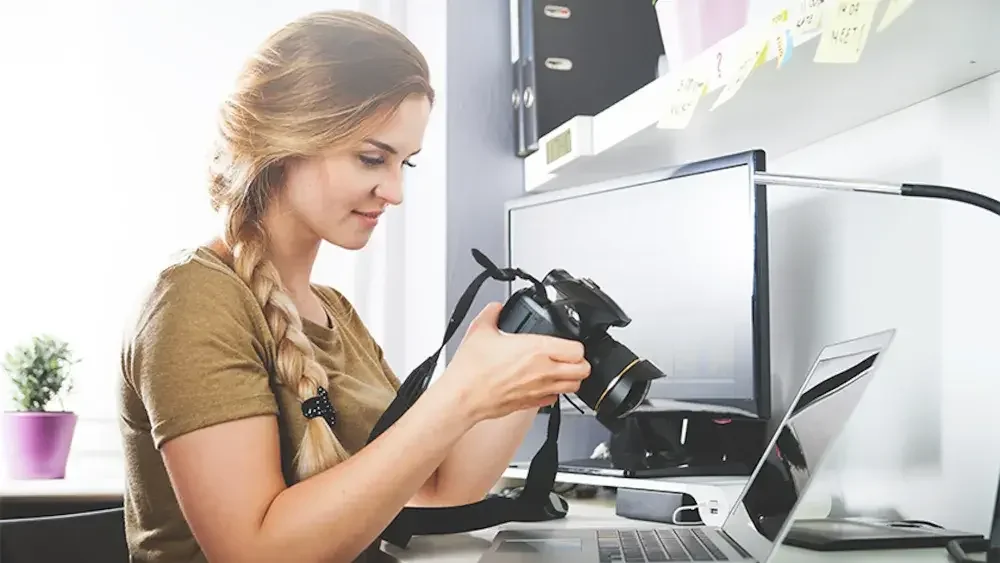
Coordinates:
(522,315)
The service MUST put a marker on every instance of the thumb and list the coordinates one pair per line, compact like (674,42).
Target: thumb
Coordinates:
(488,317)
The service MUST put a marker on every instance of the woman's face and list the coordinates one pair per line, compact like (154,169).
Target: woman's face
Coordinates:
(340,194)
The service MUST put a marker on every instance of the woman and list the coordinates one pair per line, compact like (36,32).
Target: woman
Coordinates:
(223,463)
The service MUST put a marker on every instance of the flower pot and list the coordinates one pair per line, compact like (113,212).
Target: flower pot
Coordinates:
(36,444)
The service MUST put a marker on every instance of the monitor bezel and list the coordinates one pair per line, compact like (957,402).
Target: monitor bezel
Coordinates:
(756,161)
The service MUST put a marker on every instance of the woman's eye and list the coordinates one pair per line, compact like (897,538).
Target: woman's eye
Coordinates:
(410,164)
(371,160)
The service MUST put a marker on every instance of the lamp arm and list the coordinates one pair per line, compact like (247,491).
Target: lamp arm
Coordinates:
(959,551)
(885,188)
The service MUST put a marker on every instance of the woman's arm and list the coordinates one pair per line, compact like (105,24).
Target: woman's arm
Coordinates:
(476,462)
(230,487)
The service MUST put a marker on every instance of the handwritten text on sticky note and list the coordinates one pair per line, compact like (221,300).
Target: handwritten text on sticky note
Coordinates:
(807,19)
(846,26)
(682,101)
(755,54)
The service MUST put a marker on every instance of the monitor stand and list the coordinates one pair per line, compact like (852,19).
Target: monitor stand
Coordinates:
(669,444)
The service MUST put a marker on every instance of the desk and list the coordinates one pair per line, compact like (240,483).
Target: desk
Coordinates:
(467,548)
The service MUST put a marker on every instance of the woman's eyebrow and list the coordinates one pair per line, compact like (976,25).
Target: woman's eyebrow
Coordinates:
(386,146)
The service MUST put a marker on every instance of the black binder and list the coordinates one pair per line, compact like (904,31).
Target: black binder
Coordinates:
(578,57)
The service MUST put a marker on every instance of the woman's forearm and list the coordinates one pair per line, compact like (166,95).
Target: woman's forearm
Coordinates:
(478,460)
(335,515)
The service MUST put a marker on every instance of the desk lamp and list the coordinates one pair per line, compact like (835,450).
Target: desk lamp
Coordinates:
(960,551)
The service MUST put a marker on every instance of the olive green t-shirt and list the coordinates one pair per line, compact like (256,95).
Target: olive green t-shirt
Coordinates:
(200,353)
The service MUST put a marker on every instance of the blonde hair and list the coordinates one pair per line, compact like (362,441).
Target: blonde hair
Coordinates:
(323,80)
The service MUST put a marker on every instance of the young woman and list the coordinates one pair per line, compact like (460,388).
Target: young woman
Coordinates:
(223,463)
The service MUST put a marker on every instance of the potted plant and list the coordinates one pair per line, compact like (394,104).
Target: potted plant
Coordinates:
(37,440)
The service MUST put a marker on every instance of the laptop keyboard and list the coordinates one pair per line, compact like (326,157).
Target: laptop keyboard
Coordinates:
(650,546)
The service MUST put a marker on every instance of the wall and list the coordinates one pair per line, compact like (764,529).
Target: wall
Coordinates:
(846,264)
(483,171)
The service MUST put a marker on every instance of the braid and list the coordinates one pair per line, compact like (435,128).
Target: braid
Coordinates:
(296,364)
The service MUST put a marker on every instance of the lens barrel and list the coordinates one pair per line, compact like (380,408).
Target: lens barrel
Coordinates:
(619,380)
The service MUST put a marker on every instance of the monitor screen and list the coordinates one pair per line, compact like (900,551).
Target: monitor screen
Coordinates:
(684,254)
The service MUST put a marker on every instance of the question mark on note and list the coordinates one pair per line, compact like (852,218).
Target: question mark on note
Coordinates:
(718,64)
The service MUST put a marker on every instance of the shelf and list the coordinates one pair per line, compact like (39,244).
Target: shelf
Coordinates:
(928,50)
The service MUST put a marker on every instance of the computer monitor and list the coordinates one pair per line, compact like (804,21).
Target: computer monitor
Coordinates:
(684,252)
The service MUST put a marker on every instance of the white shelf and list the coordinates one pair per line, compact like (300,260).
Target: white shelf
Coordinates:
(935,46)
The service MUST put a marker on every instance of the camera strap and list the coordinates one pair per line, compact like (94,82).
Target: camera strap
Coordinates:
(535,503)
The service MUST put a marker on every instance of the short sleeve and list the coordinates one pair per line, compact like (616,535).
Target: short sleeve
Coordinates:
(194,359)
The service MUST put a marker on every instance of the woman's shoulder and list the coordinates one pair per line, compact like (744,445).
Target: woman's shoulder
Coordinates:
(197,285)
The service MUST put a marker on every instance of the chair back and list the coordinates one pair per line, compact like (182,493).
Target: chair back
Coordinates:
(97,535)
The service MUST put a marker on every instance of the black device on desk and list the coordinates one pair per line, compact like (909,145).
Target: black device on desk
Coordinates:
(697,295)
(846,534)
(673,444)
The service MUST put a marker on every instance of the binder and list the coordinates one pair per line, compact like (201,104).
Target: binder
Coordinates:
(523,63)
(577,57)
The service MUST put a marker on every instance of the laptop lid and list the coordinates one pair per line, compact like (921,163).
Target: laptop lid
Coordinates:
(759,519)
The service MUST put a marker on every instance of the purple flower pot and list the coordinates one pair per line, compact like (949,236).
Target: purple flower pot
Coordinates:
(36,444)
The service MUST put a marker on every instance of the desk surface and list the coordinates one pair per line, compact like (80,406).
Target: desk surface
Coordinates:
(467,548)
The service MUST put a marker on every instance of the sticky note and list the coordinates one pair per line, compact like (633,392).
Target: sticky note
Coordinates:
(781,37)
(783,45)
(682,100)
(754,56)
(806,19)
(846,26)
(895,9)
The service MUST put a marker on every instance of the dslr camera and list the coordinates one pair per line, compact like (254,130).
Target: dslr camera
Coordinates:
(577,309)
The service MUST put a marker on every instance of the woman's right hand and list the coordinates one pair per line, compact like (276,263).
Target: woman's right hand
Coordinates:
(495,373)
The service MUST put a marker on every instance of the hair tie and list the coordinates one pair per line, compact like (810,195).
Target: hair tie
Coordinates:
(320,406)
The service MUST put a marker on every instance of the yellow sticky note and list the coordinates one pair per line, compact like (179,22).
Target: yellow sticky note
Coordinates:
(754,57)
(893,11)
(846,26)
(806,20)
(682,101)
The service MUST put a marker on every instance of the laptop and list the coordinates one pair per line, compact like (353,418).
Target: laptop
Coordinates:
(759,519)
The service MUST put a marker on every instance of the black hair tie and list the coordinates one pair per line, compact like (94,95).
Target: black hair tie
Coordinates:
(320,406)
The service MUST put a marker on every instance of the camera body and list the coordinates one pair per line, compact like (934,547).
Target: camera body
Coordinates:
(578,309)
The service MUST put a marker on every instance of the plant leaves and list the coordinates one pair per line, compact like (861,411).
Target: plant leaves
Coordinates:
(40,372)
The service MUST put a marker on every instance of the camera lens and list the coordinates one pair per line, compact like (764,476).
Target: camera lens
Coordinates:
(619,380)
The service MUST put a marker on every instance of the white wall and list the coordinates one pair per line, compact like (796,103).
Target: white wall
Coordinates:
(846,264)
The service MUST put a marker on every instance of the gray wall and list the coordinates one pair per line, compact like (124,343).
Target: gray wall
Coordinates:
(482,169)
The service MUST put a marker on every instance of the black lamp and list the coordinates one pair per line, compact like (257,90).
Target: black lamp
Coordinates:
(960,551)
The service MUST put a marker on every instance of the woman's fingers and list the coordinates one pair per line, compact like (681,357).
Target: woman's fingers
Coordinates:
(576,371)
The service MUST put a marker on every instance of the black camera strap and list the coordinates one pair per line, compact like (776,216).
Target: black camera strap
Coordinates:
(535,503)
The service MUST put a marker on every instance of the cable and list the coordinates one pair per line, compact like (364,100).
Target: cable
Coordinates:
(712,505)
(953,194)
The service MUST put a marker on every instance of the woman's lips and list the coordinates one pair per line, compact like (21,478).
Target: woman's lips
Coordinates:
(369,217)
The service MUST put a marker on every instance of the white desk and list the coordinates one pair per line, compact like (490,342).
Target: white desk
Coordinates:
(467,548)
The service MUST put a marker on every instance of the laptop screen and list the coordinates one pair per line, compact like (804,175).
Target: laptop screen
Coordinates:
(817,416)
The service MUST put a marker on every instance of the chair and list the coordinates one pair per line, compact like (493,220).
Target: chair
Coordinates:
(97,535)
